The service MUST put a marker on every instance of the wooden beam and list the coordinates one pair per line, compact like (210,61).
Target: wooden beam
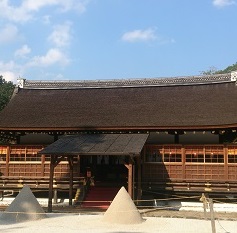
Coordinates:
(139,178)
(183,163)
(7,160)
(70,162)
(130,178)
(42,165)
(53,164)
(226,167)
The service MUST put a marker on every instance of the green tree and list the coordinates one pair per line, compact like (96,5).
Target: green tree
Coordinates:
(214,70)
(228,69)
(6,90)
(210,71)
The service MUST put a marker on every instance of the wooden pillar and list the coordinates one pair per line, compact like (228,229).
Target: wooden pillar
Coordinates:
(226,167)
(139,178)
(183,163)
(70,162)
(53,160)
(7,161)
(130,179)
(42,165)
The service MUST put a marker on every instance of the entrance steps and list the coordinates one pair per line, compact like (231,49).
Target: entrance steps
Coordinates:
(99,197)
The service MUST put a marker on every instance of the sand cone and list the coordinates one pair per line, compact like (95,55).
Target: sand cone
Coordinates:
(24,207)
(122,210)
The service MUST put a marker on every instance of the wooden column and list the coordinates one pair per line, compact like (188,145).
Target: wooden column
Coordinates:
(53,160)
(130,178)
(70,162)
(42,165)
(183,163)
(7,161)
(139,178)
(226,167)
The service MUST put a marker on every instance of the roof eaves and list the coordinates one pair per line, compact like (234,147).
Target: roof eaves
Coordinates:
(121,129)
(118,83)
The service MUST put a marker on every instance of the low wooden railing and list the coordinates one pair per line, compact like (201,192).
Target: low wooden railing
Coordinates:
(191,186)
(39,183)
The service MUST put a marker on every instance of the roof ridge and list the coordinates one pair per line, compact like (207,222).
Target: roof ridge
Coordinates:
(115,83)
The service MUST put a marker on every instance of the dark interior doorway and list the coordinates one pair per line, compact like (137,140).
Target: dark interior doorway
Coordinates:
(104,169)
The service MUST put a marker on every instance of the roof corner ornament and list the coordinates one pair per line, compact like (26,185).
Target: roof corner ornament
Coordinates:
(234,76)
(20,82)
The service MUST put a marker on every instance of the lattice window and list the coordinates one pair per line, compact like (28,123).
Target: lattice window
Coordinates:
(32,153)
(214,154)
(232,154)
(204,154)
(153,153)
(17,153)
(3,153)
(172,154)
(166,153)
(25,153)
(194,154)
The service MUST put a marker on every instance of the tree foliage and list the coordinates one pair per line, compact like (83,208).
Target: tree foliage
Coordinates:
(210,71)
(228,69)
(214,70)
(6,90)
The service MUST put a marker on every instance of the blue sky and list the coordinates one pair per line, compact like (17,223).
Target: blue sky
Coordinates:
(115,39)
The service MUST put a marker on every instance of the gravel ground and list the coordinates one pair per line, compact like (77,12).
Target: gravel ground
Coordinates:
(154,213)
(78,220)
(147,212)
(187,214)
(72,223)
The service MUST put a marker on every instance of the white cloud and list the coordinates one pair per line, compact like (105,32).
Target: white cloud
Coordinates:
(61,35)
(32,5)
(10,71)
(139,35)
(8,33)
(25,11)
(77,5)
(223,3)
(13,13)
(9,76)
(8,66)
(23,51)
(53,56)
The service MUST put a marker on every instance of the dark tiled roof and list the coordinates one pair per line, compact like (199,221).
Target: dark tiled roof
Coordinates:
(167,106)
(97,144)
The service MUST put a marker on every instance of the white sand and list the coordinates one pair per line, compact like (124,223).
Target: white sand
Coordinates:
(24,207)
(123,210)
(62,223)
